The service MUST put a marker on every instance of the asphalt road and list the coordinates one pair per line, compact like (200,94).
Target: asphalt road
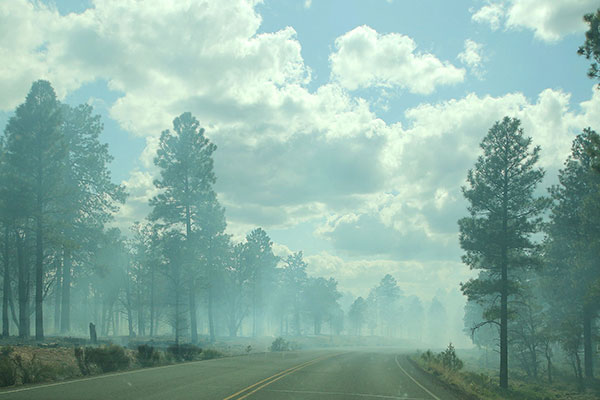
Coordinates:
(306,375)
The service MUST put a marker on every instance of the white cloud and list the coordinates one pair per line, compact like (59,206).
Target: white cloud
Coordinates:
(307,3)
(472,56)
(153,51)
(411,217)
(491,14)
(286,155)
(549,20)
(415,278)
(365,58)
(141,190)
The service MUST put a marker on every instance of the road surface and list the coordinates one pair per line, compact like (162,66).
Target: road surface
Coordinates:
(369,374)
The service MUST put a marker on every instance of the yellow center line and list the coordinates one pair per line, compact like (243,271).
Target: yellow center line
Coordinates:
(275,377)
(266,379)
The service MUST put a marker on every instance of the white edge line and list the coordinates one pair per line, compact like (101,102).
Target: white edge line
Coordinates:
(91,378)
(415,381)
(135,371)
(343,394)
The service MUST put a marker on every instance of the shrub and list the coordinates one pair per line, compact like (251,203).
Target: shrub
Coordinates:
(449,359)
(209,354)
(280,344)
(8,368)
(147,355)
(446,360)
(84,367)
(6,351)
(107,359)
(33,371)
(428,356)
(186,351)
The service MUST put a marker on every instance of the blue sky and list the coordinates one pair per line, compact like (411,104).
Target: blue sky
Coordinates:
(344,128)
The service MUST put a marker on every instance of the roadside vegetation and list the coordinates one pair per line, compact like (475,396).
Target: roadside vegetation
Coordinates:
(465,378)
(20,365)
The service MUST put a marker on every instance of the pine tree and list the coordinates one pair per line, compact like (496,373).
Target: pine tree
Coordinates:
(92,197)
(36,152)
(294,282)
(591,47)
(504,214)
(572,244)
(187,202)
(357,314)
(260,262)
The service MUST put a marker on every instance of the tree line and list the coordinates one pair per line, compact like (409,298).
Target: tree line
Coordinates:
(177,272)
(57,201)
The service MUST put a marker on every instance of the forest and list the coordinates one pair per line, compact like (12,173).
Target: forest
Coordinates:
(178,274)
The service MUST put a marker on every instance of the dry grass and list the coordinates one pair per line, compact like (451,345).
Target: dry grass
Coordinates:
(485,387)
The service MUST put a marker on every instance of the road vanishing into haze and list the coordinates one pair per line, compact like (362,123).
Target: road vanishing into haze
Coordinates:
(305,375)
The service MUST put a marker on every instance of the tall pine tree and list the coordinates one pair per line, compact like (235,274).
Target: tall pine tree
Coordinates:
(36,152)
(93,197)
(572,243)
(504,214)
(187,202)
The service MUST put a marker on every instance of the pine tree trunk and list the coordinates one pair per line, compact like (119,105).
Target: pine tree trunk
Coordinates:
(152,301)
(588,354)
(103,319)
(57,292)
(193,319)
(254,309)
(128,305)
(211,323)
(504,329)
(39,277)
(258,307)
(549,367)
(65,316)
(23,288)
(177,316)
(117,321)
(130,331)
(6,284)
(140,315)
(504,289)
(297,318)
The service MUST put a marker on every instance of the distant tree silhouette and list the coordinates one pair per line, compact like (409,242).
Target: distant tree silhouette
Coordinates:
(357,314)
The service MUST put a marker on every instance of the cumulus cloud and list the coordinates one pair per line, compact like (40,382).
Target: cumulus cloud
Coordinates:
(549,20)
(414,215)
(154,52)
(472,56)
(491,14)
(140,189)
(365,58)
(384,196)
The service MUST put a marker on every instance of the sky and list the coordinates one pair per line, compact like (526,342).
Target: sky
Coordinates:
(344,128)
